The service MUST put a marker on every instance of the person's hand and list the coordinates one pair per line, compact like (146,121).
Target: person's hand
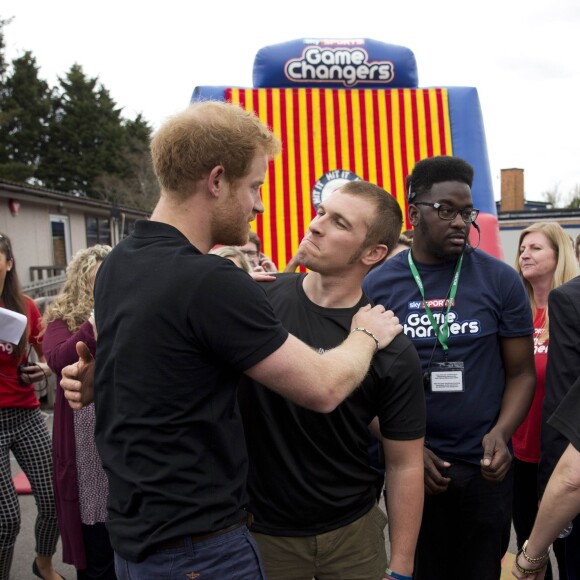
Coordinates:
(34,372)
(262,277)
(267,264)
(496,459)
(383,324)
(435,481)
(294,262)
(77,379)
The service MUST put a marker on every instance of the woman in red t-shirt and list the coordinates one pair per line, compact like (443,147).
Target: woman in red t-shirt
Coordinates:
(23,429)
(545,260)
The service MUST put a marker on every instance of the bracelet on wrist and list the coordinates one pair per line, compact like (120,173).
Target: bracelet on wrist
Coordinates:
(526,571)
(539,558)
(368,333)
(395,575)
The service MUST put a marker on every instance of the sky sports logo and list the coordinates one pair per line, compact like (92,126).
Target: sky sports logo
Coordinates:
(435,303)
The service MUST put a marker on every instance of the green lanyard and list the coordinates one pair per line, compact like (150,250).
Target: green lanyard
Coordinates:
(443,330)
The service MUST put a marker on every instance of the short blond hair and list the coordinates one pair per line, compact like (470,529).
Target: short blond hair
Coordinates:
(205,135)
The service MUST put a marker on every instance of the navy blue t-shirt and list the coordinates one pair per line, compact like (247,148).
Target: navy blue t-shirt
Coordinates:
(490,303)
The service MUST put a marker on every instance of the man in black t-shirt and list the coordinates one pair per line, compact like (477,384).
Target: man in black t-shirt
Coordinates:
(312,489)
(176,330)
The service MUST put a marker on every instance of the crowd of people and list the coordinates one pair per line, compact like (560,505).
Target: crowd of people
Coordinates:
(214,420)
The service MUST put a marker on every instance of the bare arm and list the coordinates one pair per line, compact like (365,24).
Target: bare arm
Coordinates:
(405,494)
(560,504)
(296,371)
(321,382)
(520,373)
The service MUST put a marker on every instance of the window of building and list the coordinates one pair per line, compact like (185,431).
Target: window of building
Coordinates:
(98,230)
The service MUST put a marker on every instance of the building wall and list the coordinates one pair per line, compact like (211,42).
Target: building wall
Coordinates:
(30,229)
(29,232)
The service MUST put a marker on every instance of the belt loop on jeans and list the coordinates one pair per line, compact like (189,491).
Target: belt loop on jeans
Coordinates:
(249,519)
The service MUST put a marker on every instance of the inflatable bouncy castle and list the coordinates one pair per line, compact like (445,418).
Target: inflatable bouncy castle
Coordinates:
(348,109)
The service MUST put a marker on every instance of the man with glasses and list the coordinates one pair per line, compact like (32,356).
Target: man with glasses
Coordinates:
(258,261)
(470,320)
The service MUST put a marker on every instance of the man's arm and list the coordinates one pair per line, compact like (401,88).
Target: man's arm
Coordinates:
(520,384)
(405,494)
(318,382)
(321,382)
(560,504)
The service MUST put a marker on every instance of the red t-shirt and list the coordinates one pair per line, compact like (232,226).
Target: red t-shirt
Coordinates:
(526,440)
(12,392)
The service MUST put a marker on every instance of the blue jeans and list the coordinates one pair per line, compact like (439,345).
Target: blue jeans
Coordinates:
(465,530)
(234,556)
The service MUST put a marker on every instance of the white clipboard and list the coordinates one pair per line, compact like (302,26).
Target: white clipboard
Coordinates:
(12,325)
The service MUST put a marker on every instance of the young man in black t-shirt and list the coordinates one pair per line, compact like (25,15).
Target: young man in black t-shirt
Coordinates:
(311,486)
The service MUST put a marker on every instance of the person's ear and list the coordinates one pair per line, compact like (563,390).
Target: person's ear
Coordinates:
(216,180)
(374,254)
(413,214)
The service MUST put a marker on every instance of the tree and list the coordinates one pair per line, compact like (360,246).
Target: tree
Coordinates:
(139,187)
(574,198)
(553,196)
(25,105)
(86,137)
(71,137)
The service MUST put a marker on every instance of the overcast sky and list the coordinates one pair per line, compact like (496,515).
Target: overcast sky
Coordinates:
(521,55)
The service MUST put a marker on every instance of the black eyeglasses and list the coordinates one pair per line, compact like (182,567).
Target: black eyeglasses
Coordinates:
(250,253)
(447,213)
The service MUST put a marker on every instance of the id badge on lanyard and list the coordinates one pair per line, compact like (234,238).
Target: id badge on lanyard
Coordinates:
(446,377)
(442,377)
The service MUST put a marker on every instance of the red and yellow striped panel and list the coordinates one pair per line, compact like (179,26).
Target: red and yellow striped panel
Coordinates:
(377,134)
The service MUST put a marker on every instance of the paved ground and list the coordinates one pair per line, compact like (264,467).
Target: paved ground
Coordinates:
(24,552)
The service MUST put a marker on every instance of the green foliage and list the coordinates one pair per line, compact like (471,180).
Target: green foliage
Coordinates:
(72,137)
(25,110)
(85,136)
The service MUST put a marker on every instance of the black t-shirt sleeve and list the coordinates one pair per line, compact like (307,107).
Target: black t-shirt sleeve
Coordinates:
(232,316)
(401,412)
(566,417)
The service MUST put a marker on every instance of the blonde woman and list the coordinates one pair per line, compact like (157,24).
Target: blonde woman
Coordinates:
(234,254)
(79,480)
(545,260)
